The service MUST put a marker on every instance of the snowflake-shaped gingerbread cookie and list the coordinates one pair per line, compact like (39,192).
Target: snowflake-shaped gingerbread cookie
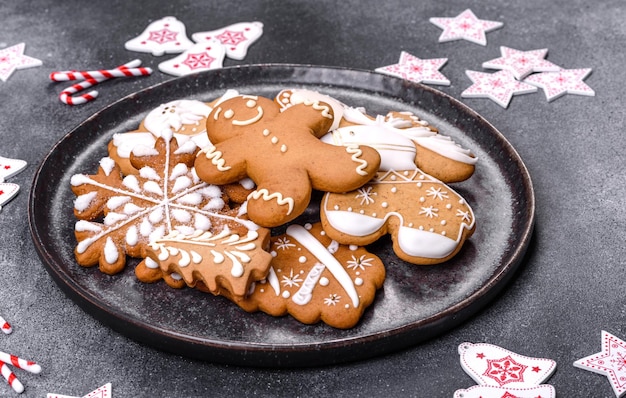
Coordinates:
(120,215)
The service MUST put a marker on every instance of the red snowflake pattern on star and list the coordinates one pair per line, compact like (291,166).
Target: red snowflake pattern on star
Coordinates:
(417,70)
(162,36)
(13,58)
(231,37)
(198,61)
(522,63)
(465,26)
(509,395)
(610,362)
(565,81)
(505,370)
(498,87)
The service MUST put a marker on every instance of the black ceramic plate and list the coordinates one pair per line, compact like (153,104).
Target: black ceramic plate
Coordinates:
(416,303)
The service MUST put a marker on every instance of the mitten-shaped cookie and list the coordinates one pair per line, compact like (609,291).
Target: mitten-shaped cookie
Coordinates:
(427,220)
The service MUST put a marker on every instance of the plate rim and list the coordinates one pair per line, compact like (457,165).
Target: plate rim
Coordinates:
(288,354)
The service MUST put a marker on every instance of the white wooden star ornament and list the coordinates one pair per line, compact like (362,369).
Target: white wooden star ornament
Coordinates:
(565,81)
(522,63)
(13,58)
(610,362)
(465,26)
(417,70)
(499,87)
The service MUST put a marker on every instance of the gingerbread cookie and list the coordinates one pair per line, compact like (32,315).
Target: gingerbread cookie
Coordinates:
(214,263)
(120,215)
(281,152)
(186,119)
(427,220)
(313,279)
(435,154)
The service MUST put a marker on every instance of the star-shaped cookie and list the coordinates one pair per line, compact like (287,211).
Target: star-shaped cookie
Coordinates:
(465,26)
(498,87)
(417,70)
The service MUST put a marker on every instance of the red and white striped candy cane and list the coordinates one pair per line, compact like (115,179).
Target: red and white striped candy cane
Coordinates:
(91,78)
(10,378)
(18,362)
(127,70)
(67,98)
(5,326)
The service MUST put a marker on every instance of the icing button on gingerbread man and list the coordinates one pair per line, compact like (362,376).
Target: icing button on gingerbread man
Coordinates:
(281,152)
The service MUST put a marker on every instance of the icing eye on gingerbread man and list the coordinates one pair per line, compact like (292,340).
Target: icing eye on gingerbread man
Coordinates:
(281,152)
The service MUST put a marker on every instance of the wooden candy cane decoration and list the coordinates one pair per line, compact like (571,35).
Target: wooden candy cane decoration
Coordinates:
(10,378)
(5,326)
(18,362)
(91,78)
(127,70)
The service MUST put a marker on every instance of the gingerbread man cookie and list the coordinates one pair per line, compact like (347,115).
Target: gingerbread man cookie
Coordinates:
(281,152)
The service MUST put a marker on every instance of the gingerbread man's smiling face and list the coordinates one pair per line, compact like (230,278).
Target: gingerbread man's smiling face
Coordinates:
(231,116)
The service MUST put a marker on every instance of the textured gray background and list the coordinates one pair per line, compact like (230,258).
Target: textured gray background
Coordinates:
(570,287)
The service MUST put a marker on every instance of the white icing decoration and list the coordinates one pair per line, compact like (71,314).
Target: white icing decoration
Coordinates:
(86,226)
(149,173)
(324,281)
(194,198)
(176,276)
(150,263)
(156,215)
(188,147)
(111,254)
(82,202)
(131,208)
(216,204)
(153,187)
(317,249)
(305,293)
(202,222)
(132,237)
(145,228)
(116,201)
(181,215)
(132,183)
(107,164)
(266,196)
(142,150)
(181,183)
(79,179)
(179,170)
(113,218)
(247,183)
